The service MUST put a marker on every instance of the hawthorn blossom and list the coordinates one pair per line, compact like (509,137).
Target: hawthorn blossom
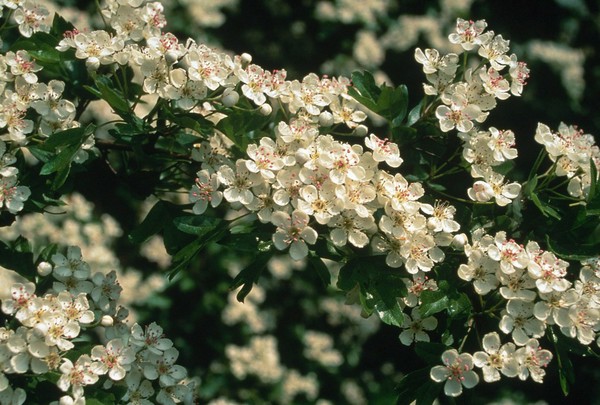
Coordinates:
(293,232)
(496,359)
(205,191)
(532,360)
(432,62)
(115,358)
(150,338)
(467,33)
(518,320)
(494,187)
(459,115)
(415,327)
(384,150)
(457,371)
(76,376)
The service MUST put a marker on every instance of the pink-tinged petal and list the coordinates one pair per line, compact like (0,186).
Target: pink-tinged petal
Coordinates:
(452,388)
(470,379)
(450,356)
(281,219)
(280,240)
(298,250)
(439,373)
(309,235)
(406,338)
(491,342)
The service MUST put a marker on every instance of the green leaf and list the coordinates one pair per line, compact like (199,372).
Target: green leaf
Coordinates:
(249,276)
(154,222)
(69,142)
(242,127)
(433,302)
(545,209)
(418,386)
(391,315)
(374,278)
(197,224)
(566,372)
(431,352)
(579,251)
(389,102)
(41,46)
(364,89)
(317,264)
(18,257)
(193,121)
(415,113)
(115,98)
(595,181)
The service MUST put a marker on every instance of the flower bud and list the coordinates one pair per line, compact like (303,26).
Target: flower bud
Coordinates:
(246,59)
(326,119)
(361,130)
(230,97)
(459,241)
(107,320)
(265,109)
(44,268)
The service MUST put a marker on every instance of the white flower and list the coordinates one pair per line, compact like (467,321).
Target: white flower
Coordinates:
(384,150)
(511,255)
(115,359)
(496,359)
(151,338)
(456,371)
(467,33)
(431,61)
(205,191)
(76,376)
(238,182)
(532,360)
(519,321)
(415,327)
(293,231)
(481,270)
(72,265)
(164,368)
(11,195)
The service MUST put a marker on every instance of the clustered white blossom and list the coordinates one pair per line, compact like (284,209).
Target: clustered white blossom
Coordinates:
(467,101)
(573,153)
(141,359)
(533,282)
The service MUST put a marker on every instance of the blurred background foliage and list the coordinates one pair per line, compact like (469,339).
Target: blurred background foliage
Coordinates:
(294,340)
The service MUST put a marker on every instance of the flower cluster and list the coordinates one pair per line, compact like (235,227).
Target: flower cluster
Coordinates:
(141,360)
(467,100)
(573,153)
(12,195)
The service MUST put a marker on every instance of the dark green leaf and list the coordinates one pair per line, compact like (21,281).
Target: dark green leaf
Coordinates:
(566,372)
(383,284)
(41,46)
(18,257)
(197,224)
(392,315)
(112,95)
(430,352)
(153,223)
(545,209)
(594,181)
(249,276)
(579,251)
(317,264)
(415,114)
(418,386)
(433,302)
